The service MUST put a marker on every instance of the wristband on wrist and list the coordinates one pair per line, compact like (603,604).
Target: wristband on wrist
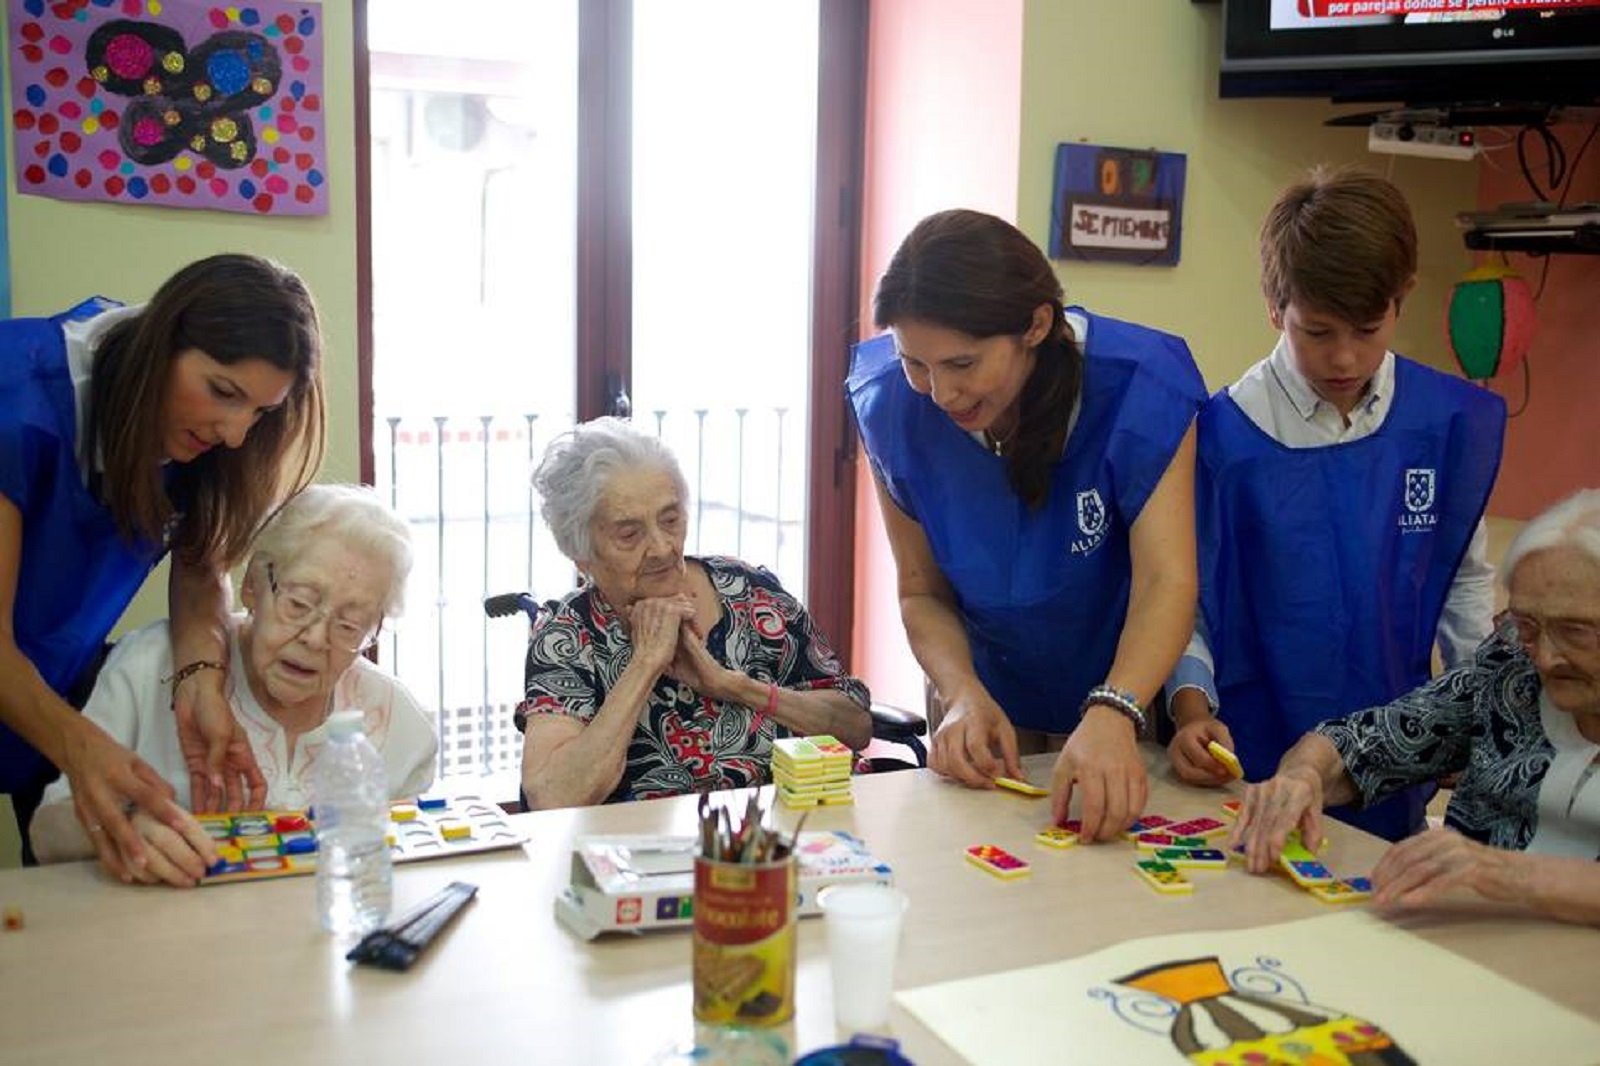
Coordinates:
(1124,703)
(184,673)
(765,712)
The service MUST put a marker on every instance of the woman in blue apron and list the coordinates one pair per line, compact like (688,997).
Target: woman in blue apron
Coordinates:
(1035,469)
(126,433)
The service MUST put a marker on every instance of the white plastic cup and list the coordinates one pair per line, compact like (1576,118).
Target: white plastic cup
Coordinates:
(863,924)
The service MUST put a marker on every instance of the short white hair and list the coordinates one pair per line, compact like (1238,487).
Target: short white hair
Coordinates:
(1572,523)
(350,514)
(578,465)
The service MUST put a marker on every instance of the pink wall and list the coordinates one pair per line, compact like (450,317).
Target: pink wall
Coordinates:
(944,112)
(1552,448)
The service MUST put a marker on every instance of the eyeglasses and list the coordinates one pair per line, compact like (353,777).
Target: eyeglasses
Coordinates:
(1566,634)
(294,609)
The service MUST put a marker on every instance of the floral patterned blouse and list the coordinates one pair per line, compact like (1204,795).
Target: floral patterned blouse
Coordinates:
(1482,720)
(685,742)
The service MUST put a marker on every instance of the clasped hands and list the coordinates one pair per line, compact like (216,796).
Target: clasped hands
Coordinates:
(667,640)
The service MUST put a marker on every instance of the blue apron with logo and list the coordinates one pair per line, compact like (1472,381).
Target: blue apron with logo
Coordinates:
(76,573)
(1042,594)
(1323,571)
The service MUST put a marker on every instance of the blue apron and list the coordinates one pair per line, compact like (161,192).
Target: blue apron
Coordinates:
(1042,594)
(1323,571)
(76,573)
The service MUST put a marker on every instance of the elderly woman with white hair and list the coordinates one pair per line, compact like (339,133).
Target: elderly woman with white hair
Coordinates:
(662,674)
(1520,724)
(323,574)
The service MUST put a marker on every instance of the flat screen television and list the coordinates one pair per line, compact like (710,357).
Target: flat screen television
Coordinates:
(1417,52)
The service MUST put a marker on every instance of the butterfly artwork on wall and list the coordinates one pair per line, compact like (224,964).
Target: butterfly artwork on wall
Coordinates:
(171,102)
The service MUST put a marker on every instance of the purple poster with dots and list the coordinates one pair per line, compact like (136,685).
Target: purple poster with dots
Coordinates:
(183,103)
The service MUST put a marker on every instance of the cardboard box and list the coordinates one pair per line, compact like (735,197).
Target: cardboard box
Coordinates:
(629,884)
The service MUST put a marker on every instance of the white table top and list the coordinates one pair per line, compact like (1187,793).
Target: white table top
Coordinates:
(242,973)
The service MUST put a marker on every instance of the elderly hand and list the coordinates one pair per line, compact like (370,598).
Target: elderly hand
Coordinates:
(223,774)
(106,778)
(1289,800)
(180,851)
(653,626)
(1421,869)
(693,665)
(966,745)
(1101,760)
(1191,761)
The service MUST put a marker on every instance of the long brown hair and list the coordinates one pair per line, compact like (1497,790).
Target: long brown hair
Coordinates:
(232,308)
(979,275)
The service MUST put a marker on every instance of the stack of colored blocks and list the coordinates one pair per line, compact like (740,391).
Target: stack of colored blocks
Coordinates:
(811,771)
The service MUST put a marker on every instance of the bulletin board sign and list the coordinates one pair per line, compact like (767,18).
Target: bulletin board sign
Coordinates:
(182,103)
(1120,205)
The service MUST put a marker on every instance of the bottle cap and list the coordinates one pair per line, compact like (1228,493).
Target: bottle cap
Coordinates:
(346,723)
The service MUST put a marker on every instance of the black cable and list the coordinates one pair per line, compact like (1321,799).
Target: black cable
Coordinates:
(1527,389)
(1576,159)
(1555,159)
(1544,276)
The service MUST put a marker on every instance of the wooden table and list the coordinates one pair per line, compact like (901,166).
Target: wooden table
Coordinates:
(241,972)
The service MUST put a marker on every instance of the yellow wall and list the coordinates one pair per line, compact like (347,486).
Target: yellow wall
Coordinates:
(62,252)
(1143,74)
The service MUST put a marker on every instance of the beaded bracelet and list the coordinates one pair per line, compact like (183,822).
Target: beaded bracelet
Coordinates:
(184,673)
(1124,703)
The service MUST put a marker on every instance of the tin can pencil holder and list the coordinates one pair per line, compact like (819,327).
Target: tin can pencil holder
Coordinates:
(744,958)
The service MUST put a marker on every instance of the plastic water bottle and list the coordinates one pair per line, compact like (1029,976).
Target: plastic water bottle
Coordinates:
(350,795)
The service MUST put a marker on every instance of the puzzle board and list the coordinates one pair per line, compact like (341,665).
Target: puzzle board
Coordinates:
(254,845)
(1122,1004)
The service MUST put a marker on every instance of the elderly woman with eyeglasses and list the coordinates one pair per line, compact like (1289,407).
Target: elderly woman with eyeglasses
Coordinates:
(1521,725)
(324,573)
(662,674)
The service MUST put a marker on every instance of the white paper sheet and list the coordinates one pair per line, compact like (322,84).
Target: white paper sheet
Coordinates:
(1332,973)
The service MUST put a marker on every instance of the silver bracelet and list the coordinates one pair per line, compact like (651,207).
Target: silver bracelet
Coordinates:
(1124,703)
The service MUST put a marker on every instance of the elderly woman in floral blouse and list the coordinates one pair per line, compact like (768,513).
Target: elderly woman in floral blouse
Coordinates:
(1521,725)
(662,674)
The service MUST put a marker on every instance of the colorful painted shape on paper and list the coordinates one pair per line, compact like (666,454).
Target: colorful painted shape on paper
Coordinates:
(1120,205)
(172,102)
(1217,1017)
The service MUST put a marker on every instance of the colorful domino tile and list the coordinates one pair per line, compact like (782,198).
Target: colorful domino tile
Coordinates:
(1305,872)
(1349,890)
(1231,808)
(1163,877)
(1057,836)
(1197,827)
(801,800)
(1193,858)
(1228,759)
(1148,823)
(1024,788)
(1152,841)
(999,862)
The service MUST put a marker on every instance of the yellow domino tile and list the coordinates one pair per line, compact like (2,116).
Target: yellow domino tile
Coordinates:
(1228,759)
(1056,837)
(1163,877)
(1025,788)
(455,830)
